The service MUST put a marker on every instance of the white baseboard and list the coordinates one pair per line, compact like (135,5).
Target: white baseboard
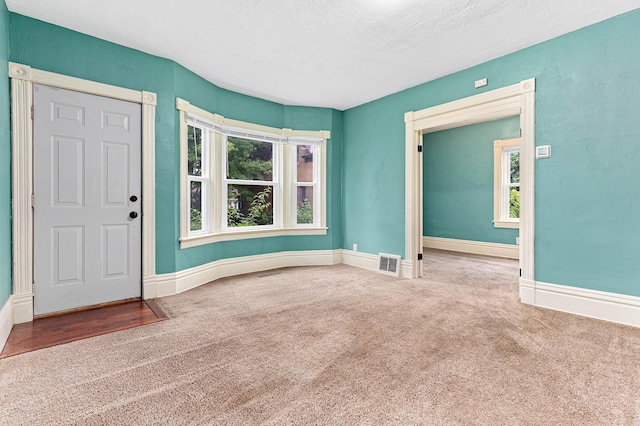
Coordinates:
(618,308)
(614,307)
(360,260)
(370,262)
(6,322)
(527,291)
(22,308)
(510,251)
(177,282)
(600,305)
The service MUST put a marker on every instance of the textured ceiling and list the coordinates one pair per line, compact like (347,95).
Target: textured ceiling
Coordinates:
(328,53)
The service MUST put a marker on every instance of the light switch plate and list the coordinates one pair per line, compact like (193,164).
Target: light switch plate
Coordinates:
(543,151)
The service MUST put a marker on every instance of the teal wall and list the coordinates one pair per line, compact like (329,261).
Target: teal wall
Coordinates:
(52,48)
(587,109)
(458,182)
(587,103)
(5,160)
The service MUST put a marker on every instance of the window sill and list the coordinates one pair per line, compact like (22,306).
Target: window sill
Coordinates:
(199,240)
(506,224)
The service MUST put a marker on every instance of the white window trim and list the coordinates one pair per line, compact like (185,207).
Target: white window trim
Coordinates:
(296,184)
(205,183)
(276,194)
(502,148)
(284,219)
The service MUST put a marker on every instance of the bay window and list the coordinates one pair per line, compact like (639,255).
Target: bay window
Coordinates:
(243,180)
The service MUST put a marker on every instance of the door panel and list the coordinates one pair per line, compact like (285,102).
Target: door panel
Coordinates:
(87,161)
(68,251)
(116,251)
(67,172)
(115,159)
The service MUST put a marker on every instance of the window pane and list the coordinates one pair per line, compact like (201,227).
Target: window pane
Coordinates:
(195,222)
(514,167)
(514,203)
(249,160)
(304,163)
(249,205)
(304,204)
(194,137)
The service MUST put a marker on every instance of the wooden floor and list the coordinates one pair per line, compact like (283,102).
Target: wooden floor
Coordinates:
(56,330)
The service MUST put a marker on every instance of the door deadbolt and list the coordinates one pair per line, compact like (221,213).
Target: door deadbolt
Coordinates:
(133,198)
(133,215)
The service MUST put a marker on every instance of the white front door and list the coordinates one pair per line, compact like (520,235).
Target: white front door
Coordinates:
(87,206)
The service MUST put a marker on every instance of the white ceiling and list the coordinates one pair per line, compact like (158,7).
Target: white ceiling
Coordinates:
(327,53)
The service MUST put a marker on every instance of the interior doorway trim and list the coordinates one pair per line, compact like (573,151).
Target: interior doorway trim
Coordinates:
(23,78)
(517,99)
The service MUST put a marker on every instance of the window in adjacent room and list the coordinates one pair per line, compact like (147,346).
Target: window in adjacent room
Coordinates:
(506,212)
(243,180)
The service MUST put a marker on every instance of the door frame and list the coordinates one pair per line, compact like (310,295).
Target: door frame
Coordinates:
(517,99)
(23,77)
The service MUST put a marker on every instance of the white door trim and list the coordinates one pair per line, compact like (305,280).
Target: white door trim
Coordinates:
(517,99)
(23,78)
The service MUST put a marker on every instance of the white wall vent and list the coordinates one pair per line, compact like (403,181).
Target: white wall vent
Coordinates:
(389,264)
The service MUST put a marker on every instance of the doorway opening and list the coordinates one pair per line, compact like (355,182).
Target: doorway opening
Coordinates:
(517,99)
(471,180)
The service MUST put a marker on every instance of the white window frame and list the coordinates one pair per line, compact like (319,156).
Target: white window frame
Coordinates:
(284,178)
(276,194)
(205,184)
(296,184)
(502,150)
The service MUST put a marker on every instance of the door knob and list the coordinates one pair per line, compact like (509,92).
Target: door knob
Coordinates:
(133,215)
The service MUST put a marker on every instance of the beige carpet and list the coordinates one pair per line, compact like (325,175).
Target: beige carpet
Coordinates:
(339,345)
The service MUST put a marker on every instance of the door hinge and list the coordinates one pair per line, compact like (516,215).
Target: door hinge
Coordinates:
(520,132)
(419,256)
(33,200)
(32,112)
(419,148)
(520,272)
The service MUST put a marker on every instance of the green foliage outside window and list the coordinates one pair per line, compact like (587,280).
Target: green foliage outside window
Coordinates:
(196,220)
(305,212)
(249,159)
(514,167)
(514,203)
(194,168)
(260,211)
(514,193)
(194,151)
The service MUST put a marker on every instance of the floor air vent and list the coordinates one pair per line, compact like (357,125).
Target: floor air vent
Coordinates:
(389,264)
